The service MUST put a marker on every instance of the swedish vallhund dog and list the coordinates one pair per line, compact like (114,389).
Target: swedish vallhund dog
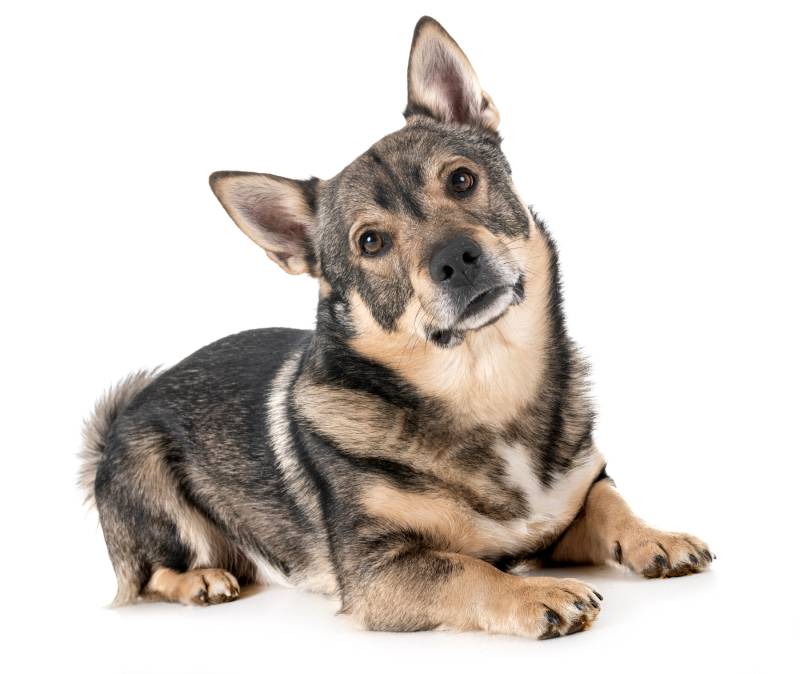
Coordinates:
(431,437)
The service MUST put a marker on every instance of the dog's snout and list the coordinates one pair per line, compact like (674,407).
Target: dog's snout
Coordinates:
(456,262)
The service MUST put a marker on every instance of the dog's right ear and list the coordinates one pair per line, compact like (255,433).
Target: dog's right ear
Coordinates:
(279,214)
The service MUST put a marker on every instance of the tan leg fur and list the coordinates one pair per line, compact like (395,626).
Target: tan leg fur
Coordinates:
(415,594)
(607,530)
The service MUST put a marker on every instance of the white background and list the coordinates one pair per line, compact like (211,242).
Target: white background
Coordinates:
(660,143)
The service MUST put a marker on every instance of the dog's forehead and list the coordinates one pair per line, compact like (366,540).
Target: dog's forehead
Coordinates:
(401,157)
(395,169)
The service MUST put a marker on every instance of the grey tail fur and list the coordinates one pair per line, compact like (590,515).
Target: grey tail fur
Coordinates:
(97,427)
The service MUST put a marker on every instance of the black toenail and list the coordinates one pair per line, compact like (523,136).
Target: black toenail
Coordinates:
(552,617)
(693,559)
(580,605)
(660,560)
(577,626)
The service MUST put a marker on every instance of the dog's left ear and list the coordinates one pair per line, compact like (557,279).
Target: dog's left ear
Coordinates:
(442,83)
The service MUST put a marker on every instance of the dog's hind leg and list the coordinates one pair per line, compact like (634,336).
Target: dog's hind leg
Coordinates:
(138,541)
(159,543)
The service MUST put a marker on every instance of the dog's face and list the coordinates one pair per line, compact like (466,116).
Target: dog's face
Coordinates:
(423,234)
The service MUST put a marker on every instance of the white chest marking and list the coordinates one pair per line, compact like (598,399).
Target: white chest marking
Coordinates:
(550,509)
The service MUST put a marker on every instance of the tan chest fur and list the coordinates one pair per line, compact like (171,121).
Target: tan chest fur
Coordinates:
(460,528)
(447,510)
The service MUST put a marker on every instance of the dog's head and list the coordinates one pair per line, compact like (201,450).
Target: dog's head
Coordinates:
(422,236)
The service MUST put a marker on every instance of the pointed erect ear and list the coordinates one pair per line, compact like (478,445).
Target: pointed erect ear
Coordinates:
(442,83)
(277,213)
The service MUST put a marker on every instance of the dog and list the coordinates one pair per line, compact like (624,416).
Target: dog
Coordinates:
(421,449)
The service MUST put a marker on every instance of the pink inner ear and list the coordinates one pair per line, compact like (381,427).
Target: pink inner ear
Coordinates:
(452,86)
(281,228)
(446,76)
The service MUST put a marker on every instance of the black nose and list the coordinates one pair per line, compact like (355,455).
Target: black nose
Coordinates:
(456,262)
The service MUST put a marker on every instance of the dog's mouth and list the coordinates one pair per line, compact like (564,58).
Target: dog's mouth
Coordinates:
(483,302)
(486,308)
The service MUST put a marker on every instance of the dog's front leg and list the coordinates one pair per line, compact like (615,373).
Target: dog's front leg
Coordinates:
(606,529)
(423,589)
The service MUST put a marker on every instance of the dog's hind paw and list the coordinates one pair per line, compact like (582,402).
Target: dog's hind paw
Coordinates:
(212,586)
(661,554)
(197,586)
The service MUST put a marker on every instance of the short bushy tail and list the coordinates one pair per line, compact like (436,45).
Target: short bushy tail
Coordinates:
(97,427)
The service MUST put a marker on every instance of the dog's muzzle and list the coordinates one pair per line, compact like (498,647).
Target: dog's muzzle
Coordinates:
(475,290)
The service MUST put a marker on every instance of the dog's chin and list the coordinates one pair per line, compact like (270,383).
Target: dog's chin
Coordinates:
(484,310)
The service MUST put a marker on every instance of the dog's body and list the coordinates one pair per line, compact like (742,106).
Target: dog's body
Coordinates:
(431,433)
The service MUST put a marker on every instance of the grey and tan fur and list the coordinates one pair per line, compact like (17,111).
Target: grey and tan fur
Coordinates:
(430,435)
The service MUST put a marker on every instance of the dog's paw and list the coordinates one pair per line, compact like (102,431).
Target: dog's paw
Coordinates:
(661,554)
(207,586)
(553,607)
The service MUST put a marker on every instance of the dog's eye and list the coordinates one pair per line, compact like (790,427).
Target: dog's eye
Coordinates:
(373,243)
(462,181)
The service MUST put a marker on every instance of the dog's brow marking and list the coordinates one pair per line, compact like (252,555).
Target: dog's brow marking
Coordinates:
(381,194)
(412,204)
(415,174)
(395,187)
